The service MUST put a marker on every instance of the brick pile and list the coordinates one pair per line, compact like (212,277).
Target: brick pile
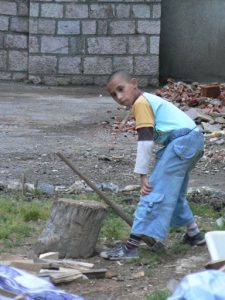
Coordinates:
(204,96)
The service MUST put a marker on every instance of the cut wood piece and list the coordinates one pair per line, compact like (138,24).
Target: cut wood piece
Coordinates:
(71,264)
(95,273)
(78,263)
(63,277)
(49,255)
(44,272)
(72,229)
(61,269)
(29,265)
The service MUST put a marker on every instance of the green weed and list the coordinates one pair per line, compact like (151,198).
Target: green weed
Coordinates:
(9,244)
(87,196)
(204,210)
(35,212)
(159,295)
(17,216)
(114,227)
(177,230)
(150,258)
(178,248)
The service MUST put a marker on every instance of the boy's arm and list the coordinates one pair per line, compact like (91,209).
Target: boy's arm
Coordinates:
(144,118)
(144,152)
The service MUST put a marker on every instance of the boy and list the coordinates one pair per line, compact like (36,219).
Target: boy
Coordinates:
(162,203)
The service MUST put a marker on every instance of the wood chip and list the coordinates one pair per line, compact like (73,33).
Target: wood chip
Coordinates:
(216,264)
(49,255)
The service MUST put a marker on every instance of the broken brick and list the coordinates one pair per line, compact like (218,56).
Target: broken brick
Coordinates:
(211,91)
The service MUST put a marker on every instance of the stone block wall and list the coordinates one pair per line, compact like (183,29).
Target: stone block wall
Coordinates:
(14,39)
(60,42)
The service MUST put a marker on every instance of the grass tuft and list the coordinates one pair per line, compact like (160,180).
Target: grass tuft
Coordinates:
(178,248)
(150,258)
(204,210)
(159,295)
(113,227)
(16,218)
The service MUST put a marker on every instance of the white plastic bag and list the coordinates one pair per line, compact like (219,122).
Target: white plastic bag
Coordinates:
(206,285)
(20,282)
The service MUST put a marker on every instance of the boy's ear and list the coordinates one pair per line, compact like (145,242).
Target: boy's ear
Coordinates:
(134,82)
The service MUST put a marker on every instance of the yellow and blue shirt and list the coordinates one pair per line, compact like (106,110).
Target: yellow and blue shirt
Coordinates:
(152,111)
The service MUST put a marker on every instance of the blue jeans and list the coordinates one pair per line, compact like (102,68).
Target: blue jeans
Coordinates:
(166,206)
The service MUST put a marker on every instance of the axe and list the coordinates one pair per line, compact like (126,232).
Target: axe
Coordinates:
(155,246)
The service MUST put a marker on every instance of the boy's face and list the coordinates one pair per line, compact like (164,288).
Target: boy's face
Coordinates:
(122,91)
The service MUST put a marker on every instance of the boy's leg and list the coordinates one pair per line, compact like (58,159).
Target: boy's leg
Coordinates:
(133,242)
(182,214)
(182,210)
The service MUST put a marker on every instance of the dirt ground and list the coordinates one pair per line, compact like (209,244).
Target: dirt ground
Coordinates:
(36,122)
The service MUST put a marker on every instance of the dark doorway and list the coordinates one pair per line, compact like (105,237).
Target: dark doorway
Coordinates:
(192,46)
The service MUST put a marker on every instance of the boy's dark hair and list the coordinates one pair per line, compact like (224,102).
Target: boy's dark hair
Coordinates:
(121,74)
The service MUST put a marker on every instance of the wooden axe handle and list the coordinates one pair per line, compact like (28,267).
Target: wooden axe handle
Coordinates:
(116,208)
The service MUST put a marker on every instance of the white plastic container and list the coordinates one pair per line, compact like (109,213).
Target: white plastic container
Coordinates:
(215,241)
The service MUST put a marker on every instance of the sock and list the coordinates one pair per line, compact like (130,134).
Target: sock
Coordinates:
(192,229)
(133,242)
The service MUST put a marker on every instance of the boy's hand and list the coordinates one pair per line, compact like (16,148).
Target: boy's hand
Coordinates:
(145,186)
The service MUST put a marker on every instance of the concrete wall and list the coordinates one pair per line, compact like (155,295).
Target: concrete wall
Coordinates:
(79,42)
(192,44)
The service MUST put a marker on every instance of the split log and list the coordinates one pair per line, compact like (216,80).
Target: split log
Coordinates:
(66,263)
(65,276)
(72,228)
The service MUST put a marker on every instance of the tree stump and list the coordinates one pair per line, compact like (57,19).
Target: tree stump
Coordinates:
(72,228)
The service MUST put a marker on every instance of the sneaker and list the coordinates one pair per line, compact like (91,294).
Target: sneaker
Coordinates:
(119,252)
(198,239)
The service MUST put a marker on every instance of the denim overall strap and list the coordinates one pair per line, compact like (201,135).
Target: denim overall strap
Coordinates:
(178,133)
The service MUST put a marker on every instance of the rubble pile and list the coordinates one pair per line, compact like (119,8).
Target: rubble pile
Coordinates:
(210,97)
(212,161)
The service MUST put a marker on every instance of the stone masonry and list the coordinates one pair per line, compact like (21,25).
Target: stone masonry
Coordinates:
(14,35)
(61,42)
